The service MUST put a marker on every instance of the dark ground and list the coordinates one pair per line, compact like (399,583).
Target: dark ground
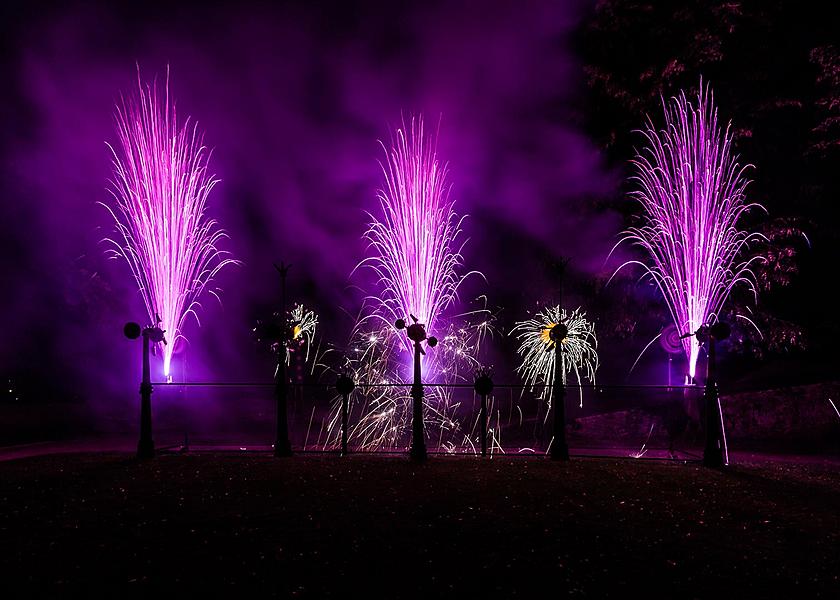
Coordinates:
(319,526)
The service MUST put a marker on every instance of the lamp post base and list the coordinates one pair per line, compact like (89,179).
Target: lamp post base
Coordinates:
(559,451)
(713,458)
(418,454)
(145,449)
(282,449)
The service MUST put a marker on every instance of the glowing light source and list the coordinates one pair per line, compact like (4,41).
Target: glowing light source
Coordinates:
(579,353)
(160,187)
(692,192)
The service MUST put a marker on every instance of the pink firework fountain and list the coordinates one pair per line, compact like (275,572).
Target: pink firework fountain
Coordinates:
(416,257)
(416,253)
(160,187)
(692,191)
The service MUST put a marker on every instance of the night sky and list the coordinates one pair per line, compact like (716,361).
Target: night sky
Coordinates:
(536,105)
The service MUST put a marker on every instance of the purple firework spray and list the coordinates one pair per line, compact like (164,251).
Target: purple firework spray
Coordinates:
(416,255)
(160,187)
(692,191)
(415,241)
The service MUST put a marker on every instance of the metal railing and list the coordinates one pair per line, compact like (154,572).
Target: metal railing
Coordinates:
(655,421)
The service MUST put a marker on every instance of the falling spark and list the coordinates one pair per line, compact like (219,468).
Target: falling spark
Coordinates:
(693,195)
(579,349)
(643,450)
(723,434)
(160,187)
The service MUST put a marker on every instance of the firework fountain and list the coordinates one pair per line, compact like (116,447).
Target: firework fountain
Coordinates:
(692,192)
(579,355)
(160,188)
(416,257)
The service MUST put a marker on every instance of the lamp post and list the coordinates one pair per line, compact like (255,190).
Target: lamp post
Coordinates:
(282,445)
(714,447)
(714,444)
(344,386)
(483,386)
(151,335)
(557,334)
(559,449)
(417,333)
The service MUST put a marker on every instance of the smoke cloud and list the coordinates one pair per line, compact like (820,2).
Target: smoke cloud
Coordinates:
(293,100)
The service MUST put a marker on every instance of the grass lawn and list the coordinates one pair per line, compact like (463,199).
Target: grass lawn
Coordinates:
(105,525)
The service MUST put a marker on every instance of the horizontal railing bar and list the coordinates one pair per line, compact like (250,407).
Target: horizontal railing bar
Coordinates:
(585,386)
(511,453)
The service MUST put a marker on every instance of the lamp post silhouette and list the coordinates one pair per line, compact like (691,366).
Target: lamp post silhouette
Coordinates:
(282,445)
(417,333)
(714,445)
(151,335)
(344,386)
(483,386)
(556,335)
(559,449)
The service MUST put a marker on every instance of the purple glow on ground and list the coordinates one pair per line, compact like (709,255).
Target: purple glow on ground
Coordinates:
(160,187)
(692,192)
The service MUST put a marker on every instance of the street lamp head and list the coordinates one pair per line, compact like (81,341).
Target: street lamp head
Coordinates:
(345,385)
(400,324)
(156,335)
(558,333)
(416,332)
(132,330)
(718,332)
(432,341)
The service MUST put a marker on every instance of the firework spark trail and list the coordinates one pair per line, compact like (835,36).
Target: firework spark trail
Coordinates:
(160,187)
(579,355)
(303,323)
(416,256)
(692,191)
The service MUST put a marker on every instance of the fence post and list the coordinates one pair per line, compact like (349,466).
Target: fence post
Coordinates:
(146,446)
(344,386)
(483,386)
(282,445)
(151,335)
(559,448)
(418,441)
(713,450)
(417,333)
